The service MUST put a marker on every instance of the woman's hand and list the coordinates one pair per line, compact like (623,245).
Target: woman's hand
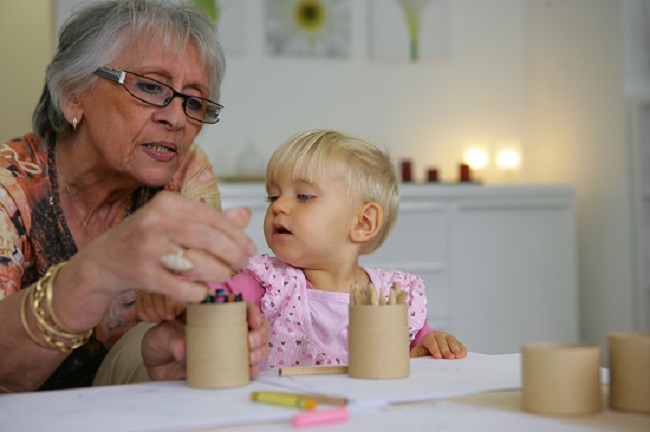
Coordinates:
(440,345)
(164,348)
(128,257)
(164,351)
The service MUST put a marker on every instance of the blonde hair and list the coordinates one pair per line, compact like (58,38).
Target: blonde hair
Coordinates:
(368,170)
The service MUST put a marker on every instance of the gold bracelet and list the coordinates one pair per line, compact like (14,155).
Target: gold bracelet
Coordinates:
(48,323)
(41,314)
(23,317)
(53,271)
(72,340)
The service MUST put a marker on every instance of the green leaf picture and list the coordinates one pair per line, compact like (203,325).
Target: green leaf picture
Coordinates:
(210,7)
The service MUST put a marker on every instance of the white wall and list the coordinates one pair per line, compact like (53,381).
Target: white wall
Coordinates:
(636,47)
(425,111)
(26,27)
(554,73)
(577,134)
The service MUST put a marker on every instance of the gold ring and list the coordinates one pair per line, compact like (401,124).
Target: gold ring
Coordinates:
(177,262)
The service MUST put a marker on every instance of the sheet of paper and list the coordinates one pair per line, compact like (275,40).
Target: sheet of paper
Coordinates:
(160,407)
(429,379)
(439,416)
(173,406)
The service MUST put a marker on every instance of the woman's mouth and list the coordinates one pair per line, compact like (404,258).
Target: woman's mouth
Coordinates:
(160,152)
(159,147)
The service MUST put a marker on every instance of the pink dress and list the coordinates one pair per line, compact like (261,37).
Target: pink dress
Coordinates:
(308,326)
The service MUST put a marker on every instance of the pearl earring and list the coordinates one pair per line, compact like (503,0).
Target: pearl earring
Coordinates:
(74,123)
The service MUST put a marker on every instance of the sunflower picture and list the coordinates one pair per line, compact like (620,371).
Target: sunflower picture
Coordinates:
(308,28)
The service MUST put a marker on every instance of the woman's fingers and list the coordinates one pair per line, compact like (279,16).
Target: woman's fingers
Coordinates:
(163,351)
(129,256)
(214,242)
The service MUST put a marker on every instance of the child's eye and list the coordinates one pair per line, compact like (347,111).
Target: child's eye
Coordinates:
(271,199)
(303,197)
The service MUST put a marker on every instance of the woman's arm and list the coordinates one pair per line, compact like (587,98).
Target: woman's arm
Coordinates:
(24,365)
(126,257)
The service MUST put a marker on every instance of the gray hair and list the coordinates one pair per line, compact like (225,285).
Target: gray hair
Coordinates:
(95,34)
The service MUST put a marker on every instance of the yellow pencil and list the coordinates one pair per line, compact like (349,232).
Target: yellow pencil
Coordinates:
(313,370)
(285,399)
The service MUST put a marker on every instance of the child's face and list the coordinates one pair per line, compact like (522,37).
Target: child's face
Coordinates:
(307,224)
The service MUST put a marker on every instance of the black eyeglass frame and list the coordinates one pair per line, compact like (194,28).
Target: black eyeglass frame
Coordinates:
(119,76)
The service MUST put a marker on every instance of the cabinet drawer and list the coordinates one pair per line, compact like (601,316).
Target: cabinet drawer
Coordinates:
(436,286)
(420,234)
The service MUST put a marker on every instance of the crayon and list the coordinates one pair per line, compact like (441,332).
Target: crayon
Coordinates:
(334,415)
(285,399)
(220,296)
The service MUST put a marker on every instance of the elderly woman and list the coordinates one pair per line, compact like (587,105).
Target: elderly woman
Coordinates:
(109,196)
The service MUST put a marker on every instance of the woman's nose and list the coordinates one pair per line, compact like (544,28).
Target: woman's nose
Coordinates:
(173,114)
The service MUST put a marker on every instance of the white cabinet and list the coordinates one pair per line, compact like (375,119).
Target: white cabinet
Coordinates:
(514,271)
(419,243)
(640,152)
(498,262)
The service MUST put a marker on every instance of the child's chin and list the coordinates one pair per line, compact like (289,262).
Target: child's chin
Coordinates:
(292,261)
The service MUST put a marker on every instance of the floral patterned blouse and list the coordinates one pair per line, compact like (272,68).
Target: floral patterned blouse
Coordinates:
(310,327)
(34,236)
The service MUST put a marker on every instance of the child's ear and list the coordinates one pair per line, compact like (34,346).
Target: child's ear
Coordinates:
(370,218)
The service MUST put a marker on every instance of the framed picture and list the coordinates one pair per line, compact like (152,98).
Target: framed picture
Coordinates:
(408,30)
(308,28)
(230,17)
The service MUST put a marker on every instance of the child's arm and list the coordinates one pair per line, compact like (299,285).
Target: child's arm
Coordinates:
(428,341)
(425,330)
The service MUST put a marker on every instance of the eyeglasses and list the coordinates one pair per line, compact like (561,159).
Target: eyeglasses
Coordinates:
(153,92)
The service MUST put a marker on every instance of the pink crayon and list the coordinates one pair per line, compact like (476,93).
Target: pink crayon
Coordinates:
(334,415)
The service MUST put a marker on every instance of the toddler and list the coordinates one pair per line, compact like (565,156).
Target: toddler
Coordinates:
(332,197)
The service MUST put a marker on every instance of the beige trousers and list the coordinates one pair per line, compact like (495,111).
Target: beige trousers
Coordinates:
(123,364)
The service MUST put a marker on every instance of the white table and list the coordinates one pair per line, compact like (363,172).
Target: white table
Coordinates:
(480,392)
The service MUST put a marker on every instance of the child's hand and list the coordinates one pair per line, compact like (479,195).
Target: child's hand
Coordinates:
(439,345)
(154,307)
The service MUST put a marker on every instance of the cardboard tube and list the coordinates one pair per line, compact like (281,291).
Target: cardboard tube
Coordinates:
(217,345)
(561,378)
(629,371)
(378,341)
